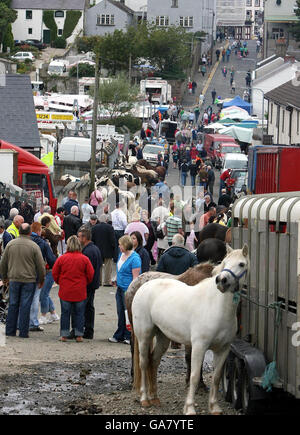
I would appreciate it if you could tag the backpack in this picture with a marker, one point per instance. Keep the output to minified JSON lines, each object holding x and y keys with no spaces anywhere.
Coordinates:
{"x":184,"y":167}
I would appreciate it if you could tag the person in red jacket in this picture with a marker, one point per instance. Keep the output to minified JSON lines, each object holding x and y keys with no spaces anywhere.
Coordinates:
{"x":73,"y":271}
{"x":223,"y":177}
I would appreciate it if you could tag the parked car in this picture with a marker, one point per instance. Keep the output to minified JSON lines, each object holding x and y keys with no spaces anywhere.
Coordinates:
{"x":222,"y":150}
{"x":150,"y":153}
{"x":23,"y":55}
{"x":235,"y":161}
{"x":36,"y":43}
{"x":18,"y":43}
{"x":237,"y":182}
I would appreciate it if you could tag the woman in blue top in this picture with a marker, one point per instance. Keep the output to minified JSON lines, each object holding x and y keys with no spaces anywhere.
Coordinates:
{"x":128,"y":268}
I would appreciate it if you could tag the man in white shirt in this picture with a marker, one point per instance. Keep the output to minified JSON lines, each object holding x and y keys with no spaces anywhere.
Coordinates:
{"x":87,"y":210}
{"x":160,"y":212}
{"x":119,"y":222}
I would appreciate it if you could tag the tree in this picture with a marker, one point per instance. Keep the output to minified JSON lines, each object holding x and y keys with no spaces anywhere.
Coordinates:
{"x":296,"y":27}
{"x":7,"y":16}
{"x":117,"y":96}
{"x":167,"y":48}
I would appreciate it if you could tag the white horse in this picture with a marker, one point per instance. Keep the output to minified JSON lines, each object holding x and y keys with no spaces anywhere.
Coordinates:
{"x":202,"y":316}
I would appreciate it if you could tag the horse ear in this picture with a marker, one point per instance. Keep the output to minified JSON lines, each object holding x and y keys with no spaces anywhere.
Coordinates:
{"x":228,"y":249}
{"x":245,"y":250}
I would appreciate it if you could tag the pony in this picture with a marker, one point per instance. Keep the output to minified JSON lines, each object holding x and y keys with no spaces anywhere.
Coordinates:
{"x":201,"y":316}
{"x":213,"y":250}
{"x":216,"y":231}
{"x":192,"y":276}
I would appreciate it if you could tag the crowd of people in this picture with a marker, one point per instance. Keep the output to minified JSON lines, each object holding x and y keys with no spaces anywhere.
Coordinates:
{"x":80,"y":251}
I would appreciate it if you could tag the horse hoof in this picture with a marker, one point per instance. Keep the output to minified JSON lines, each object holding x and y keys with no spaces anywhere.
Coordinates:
{"x":155,"y":402}
{"x":145,"y":404}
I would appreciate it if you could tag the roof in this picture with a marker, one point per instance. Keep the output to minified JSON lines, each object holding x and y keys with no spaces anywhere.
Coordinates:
{"x":53,"y":5}
{"x":121,"y":6}
{"x":18,"y":124}
{"x":115,"y":3}
{"x":286,"y":94}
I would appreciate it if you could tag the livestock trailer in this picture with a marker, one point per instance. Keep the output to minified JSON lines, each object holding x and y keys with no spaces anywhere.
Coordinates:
{"x":273,"y":168}
{"x":269,"y":311}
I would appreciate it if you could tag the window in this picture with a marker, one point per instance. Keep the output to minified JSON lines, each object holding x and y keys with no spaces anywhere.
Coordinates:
{"x":59,"y":14}
{"x":60,"y":32}
{"x":28,"y":15}
{"x":174,"y":4}
{"x":162,"y":21}
{"x":277,"y":33}
{"x":105,"y":20}
{"x":30,"y":31}
{"x":248,"y":2}
{"x":271,"y":113}
{"x":186,"y":21}
{"x":257,"y":3}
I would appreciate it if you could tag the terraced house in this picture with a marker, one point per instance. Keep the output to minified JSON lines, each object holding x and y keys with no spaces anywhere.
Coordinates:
{"x":48,"y":20}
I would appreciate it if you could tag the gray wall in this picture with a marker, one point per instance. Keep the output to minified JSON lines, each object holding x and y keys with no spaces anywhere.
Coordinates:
{"x":121,"y":19}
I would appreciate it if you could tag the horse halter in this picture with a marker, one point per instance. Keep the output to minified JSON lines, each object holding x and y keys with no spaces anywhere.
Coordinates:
{"x":236,"y":277}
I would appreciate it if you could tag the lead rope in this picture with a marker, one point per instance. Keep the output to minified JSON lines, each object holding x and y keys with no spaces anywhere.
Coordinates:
{"x":270,"y":375}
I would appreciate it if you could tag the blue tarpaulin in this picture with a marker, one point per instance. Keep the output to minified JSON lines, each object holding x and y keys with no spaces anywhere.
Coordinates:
{"x":239,"y":102}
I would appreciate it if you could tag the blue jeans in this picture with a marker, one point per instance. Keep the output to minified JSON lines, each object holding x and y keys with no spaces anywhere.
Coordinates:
{"x":122,"y":332}
{"x":20,"y":298}
{"x":34,"y":310}
{"x":183,"y":178}
{"x":193,"y":180}
{"x":45,"y":300}
{"x":77,"y":310}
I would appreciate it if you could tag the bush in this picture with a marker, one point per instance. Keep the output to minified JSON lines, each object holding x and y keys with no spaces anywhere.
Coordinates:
{"x":59,"y":42}
{"x":134,"y":124}
{"x":49,"y":21}
{"x":84,"y":70}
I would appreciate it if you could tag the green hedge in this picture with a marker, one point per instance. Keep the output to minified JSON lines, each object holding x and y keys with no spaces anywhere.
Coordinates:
{"x":8,"y":39}
{"x":59,"y":42}
{"x":72,"y":18}
{"x":49,"y":21}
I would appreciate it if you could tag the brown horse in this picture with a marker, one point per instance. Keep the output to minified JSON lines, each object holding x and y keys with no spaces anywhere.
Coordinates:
{"x":160,"y":170}
{"x":191,"y":277}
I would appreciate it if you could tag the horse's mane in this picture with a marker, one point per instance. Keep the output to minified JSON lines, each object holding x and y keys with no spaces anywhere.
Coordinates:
{"x":193,"y":275}
{"x":218,"y":269}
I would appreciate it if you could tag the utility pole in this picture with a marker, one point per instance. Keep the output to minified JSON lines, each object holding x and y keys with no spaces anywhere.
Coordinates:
{"x":129,"y":71}
{"x":94,"y":128}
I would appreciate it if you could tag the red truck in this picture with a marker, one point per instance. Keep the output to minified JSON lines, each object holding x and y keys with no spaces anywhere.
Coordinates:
{"x":212,"y":144}
{"x":274,"y":168}
{"x":33,"y":175}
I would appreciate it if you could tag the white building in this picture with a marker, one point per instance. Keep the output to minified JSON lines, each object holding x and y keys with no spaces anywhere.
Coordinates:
{"x":279,"y":16}
{"x":254,"y":15}
{"x":284,"y":113}
{"x":268,"y":76}
{"x":192,"y":15}
{"x":230,"y":18}
{"x":30,"y":24}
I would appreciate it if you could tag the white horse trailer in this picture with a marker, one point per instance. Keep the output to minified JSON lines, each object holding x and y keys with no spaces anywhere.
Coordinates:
{"x":270,"y":225}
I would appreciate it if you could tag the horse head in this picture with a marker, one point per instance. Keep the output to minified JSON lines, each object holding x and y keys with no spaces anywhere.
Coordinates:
{"x":232,"y":272}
